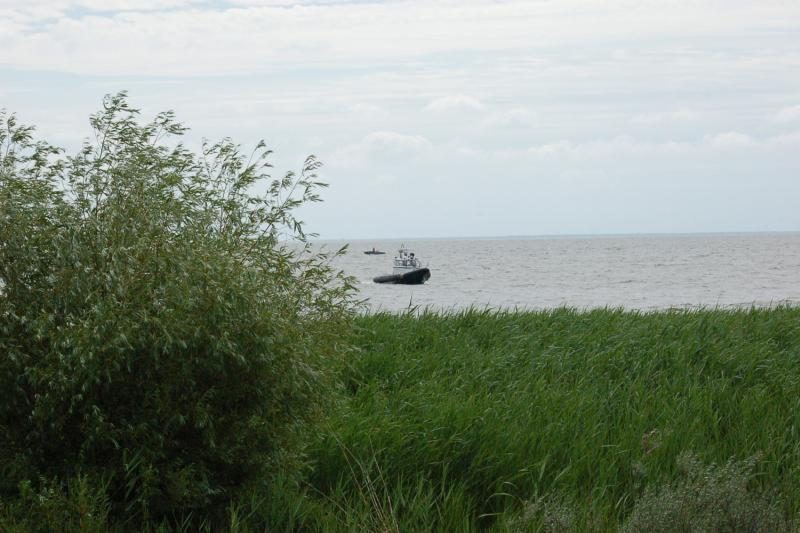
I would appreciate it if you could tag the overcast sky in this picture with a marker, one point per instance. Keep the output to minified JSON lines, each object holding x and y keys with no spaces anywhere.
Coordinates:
{"x":452,"y":118}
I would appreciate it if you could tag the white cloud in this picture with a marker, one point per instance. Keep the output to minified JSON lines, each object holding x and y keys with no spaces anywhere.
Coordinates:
{"x":454,"y":102}
{"x":669,"y":117}
{"x":788,"y":139}
{"x":529,"y":94}
{"x":615,"y":148}
{"x":385,"y":145}
{"x":30,"y":6}
{"x":628,"y":147}
{"x":788,"y":114}
{"x":361,"y":108}
{"x":513,"y":118}
{"x":550,"y":149}
{"x":192,"y":39}
{"x":624,"y":146}
{"x":285,"y":3}
{"x":397,"y":142}
{"x":730,"y":139}
{"x":39,"y":16}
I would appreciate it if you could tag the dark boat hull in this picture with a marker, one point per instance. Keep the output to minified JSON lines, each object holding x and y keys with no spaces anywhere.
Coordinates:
{"x":415,"y":277}
{"x":374,"y":252}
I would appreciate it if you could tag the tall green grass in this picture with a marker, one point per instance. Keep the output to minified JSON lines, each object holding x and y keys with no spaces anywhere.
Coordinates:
{"x":483,"y":419}
{"x":559,"y":420}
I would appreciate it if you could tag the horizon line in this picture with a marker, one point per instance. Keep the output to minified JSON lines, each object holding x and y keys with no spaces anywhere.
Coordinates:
{"x":563,"y":235}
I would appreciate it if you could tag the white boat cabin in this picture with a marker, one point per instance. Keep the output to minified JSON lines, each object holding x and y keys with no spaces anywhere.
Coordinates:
{"x":405,"y":261}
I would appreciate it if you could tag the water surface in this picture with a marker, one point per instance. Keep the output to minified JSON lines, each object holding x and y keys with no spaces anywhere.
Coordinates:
{"x":635,"y":272}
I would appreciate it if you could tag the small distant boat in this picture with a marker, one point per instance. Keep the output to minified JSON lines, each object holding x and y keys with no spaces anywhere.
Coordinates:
{"x":374,"y":252}
{"x":407,"y":270}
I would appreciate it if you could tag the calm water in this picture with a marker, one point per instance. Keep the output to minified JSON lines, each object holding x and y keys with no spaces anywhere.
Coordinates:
{"x":635,"y":272}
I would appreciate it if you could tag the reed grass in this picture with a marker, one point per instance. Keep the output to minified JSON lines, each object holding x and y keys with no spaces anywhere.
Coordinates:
{"x":562,"y":419}
{"x":559,"y":420}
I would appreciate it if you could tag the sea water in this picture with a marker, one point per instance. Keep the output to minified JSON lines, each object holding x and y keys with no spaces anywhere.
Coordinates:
{"x":644,"y":272}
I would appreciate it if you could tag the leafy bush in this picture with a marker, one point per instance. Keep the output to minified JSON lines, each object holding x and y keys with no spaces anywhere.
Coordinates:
{"x":73,"y":505}
{"x":163,"y":316}
{"x":707,"y":498}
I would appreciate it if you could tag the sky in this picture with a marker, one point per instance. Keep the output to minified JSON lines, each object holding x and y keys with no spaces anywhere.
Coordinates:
{"x":452,"y":118}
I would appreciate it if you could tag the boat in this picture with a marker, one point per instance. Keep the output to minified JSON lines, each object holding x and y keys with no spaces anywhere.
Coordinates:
{"x":374,"y":252}
{"x":407,"y":270}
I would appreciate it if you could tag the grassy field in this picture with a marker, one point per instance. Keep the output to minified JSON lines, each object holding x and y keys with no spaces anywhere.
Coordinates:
{"x":564,"y":420}
{"x":560,"y":420}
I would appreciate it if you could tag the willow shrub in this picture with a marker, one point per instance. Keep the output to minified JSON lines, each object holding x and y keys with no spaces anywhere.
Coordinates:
{"x":164,"y":318}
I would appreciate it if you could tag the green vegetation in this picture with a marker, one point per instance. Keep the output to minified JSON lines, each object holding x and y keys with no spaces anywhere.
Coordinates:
{"x":568,"y":420}
{"x":171,"y":360}
{"x":161,"y":339}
